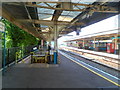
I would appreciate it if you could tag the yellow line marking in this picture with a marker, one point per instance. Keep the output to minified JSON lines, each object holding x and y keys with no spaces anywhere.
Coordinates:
{"x":96,"y":73}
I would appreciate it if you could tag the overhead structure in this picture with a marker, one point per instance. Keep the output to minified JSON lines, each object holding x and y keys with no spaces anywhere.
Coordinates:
{"x":50,"y":20}
{"x":39,"y":18}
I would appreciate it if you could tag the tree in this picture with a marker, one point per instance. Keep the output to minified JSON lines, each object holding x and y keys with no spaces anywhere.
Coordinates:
{"x":16,"y":37}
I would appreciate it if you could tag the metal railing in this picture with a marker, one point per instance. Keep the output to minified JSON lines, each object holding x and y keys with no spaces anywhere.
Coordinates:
{"x":16,"y":54}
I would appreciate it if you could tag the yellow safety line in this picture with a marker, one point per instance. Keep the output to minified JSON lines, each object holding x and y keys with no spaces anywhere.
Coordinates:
{"x":96,"y":73}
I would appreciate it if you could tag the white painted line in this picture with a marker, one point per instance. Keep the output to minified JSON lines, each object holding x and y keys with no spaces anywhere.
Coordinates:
{"x":89,"y":65}
{"x":95,"y":61}
{"x":95,"y":52}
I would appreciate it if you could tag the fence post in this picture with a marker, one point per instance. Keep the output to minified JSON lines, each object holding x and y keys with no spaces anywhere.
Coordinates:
{"x":16,"y":57}
{"x":21,"y":53}
{"x":4,"y":58}
{"x":8,"y":56}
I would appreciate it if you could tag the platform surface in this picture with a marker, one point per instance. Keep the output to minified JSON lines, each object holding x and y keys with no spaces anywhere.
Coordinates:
{"x":65,"y":75}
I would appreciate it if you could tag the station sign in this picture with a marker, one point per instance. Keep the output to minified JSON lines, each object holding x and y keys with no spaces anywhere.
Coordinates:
{"x":2,"y":27}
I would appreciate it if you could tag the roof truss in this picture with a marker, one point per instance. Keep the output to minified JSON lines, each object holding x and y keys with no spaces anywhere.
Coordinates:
{"x":36,"y":24}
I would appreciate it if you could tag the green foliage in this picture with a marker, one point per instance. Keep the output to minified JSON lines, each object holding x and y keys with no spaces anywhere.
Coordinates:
{"x":16,"y":37}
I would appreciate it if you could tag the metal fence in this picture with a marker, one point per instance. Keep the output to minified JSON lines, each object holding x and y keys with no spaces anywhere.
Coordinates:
{"x":17,"y":53}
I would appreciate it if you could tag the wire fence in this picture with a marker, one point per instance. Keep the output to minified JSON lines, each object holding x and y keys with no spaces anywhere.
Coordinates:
{"x":17,"y":53}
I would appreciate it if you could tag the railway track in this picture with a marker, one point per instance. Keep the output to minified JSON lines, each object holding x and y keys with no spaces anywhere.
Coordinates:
{"x":104,"y":68}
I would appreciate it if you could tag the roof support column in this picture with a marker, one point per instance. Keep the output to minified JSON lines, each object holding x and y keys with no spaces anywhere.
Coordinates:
{"x":94,"y":43}
{"x":77,"y":44}
{"x":42,"y":43}
{"x":116,"y":45}
{"x":98,"y":42}
{"x":55,"y":43}
{"x":83,"y":43}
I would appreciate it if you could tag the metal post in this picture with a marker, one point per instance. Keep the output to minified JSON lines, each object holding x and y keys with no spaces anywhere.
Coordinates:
{"x":98,"y":43}
{"x":55,"y":43}
{"x":41,"y":43}
{"x":22,"y":51}
{"x":116,"y":45}
{"x":2,"y":29}
{"x":8,"y":54}
{"x":94,"y":44}
{"x":77,"y":44}
{"x":4,"y":58}
{"x":49,"y":43}
{"x":83,"y":43}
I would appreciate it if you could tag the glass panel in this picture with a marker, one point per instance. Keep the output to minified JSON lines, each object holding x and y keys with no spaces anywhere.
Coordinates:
{"x":74,"y":14}
{"x":69,"y":15}
{"x":41,"y":17}
{"x":45,"y":13}
{"x":79,"y":7}
{"x":43,"y":4}
{"x":83,"y":1}
{"x":44,"y":26}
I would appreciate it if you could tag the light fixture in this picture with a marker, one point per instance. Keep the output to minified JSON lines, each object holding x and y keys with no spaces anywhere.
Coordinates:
{"x":45,"y":30}
{"x":77,"y":29}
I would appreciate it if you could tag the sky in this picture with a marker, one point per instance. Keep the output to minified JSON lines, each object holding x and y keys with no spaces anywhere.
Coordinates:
{"x":104,"y":25}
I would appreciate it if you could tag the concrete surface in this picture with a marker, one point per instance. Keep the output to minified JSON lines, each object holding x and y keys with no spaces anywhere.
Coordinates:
{"x":65,"y":75}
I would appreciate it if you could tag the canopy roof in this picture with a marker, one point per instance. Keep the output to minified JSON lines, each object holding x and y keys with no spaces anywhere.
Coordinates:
{"x":100,"y":35}
{"x":39,"y":18}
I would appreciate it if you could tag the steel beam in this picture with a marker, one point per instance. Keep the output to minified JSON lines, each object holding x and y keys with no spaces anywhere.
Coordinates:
{"x":96,"y":9}
{"x":9,"y":17}
{"x":57,"y":13}
{"x":48,"y":22}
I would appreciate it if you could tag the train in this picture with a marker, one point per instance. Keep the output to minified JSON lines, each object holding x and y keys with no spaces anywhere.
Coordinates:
{"x":101,"y":45}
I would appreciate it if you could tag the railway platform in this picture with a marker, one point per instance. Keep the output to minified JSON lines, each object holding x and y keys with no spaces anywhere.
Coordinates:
{"x":49,"y":44}
{"x":67,"y":74}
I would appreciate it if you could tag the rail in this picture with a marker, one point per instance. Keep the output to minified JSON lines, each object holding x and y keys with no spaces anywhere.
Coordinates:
{"x":106,"y":59}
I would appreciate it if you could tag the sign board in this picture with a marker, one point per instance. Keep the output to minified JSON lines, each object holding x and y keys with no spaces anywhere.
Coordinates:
{"x":2,"y":27}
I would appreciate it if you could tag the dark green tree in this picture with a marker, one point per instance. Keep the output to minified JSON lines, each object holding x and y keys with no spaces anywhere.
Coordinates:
{"x":16,"y":37}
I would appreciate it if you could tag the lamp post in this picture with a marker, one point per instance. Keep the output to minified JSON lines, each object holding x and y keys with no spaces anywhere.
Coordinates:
{"x":2,"y":30}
